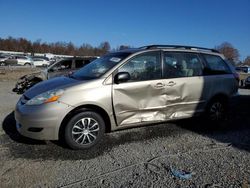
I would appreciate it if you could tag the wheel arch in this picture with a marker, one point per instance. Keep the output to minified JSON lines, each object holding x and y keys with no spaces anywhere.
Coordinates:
{"x":219,"y":96}
{"x":83,"y":108}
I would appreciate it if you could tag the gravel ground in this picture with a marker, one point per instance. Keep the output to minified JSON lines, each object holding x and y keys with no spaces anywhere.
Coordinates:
{"x":12,"y":73}
{"x":139,"y":157}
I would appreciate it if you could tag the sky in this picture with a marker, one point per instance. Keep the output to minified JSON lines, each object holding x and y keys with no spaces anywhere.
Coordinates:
{"x":205,"y":23}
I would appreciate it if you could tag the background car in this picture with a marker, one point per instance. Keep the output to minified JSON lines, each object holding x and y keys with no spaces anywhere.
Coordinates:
{"x":245,"y":69}
{"x":40,"y":62}
{"x":19,"y":60}
{"x":24,"y":60}
{"x":3,"y":59}
{"x":59,"y":68}
{"x":244,"y":72}
{"x":247,"y":82}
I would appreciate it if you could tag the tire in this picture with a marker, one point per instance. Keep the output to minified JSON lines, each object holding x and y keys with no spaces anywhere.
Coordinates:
{"x":27,"y":65}
{"x":84,"y":130}
{"x":3,"y":64}
{"x":217,"y":112}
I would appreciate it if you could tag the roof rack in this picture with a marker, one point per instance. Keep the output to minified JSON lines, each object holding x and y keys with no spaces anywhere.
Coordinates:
{"x":178,"y":47}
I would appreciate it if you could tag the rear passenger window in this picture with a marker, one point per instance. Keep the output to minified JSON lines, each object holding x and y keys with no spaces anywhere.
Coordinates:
{"x":216,"y":64}
{"x":179,"y":64}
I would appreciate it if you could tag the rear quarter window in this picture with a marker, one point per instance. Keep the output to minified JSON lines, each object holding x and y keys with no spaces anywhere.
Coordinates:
{"x":216,"y":65}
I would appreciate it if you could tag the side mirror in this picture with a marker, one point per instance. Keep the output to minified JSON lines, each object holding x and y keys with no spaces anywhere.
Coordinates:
{"x":122,"y":77}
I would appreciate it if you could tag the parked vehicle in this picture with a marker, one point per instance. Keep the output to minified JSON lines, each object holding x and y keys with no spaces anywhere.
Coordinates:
{"x":244,"y":72}
{"x":245,"y":69}
{"x":129,"y":88}
{"x":247,"y":82}
{"x":40,"y":62}
{"x":3,"y":59}
{"x":19,"y":60}
{"x":41,"y":57}
{"x":62,"y":67}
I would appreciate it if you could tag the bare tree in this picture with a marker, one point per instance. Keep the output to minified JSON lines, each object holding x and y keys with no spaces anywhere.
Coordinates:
{"x":247,"y":61}
{"x":230,"y":53}
{"x":104,"y":47}
{"x":71,"y":49}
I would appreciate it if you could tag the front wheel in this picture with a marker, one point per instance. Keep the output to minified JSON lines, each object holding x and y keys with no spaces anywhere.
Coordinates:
{"x":27,"y":65}
{"x":84,"y":130}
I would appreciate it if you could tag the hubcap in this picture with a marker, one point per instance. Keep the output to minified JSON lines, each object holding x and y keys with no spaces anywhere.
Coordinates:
{"x":85,"y":131}
{"x":216,"y":111}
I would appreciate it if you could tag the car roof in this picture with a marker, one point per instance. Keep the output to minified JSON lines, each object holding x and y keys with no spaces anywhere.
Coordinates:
{"x":173,"y":47}
{"x":79,"y":58}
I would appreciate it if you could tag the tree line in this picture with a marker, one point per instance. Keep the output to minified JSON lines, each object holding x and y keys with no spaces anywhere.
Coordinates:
{"x":61,"y":48}
{"x":64,"y":48}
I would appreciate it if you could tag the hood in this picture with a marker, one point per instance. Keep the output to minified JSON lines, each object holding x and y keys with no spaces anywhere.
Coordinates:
{"x":58,"y":82}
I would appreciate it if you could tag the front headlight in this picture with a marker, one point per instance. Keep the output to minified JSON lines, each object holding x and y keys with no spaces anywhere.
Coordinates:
{"x":46,"y":97}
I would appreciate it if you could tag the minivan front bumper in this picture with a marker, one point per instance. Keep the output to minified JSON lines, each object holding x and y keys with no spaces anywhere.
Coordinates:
{"x":41,"y":122}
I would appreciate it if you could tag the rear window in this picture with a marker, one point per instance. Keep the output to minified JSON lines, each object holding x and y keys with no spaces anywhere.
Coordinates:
{"x":216,"y":65}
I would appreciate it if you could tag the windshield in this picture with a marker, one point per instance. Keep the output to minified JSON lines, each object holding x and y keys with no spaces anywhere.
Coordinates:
{"x":100,"y":66}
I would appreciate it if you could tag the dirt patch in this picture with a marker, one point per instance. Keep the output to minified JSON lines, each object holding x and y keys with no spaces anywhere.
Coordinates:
{"x":13,"y":73}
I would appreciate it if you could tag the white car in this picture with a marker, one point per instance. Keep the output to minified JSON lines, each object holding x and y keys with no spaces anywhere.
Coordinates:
{"x":3,"y":59}
{"x":24,"y":60}
{"x":40,"y":62}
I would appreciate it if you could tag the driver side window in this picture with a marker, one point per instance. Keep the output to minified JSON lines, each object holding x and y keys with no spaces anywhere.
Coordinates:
{"x":146,"y":66}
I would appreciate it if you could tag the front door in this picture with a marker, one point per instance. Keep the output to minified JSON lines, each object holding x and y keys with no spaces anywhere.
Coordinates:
{"x":141,"y":99}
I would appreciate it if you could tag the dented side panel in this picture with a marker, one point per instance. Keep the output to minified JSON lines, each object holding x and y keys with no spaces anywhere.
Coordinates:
{"x":137,"y":102}
{"x":145,"y":101}
{"x":185,"y":97}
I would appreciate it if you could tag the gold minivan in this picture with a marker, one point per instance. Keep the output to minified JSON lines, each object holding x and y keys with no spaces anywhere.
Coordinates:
{"x":128,"y":88}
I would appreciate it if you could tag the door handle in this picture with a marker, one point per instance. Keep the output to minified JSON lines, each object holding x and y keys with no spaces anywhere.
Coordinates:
{"x":159,"y":85}
{"x":171,"y":83}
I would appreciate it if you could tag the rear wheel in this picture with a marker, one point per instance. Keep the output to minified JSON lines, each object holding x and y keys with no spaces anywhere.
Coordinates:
{"x":217,"y":112}
{"x":84,"y":130}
